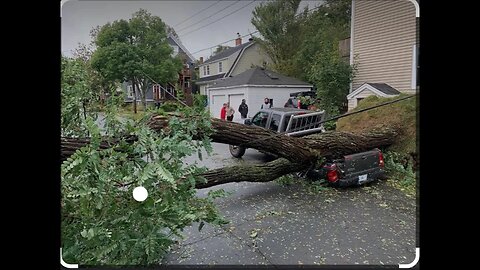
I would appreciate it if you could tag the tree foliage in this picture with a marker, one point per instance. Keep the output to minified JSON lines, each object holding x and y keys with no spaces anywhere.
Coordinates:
{"x":101,"y":222}
{"x":281,"y":30}
{"x":136,"y":50}
{"x":76,"y":97}
{"x":305,"y":45}
{"x":220,"y":49}
{"x":101,"y":86}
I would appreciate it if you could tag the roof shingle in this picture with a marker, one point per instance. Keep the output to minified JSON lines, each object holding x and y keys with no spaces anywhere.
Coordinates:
{"x":385,"y":88}
{"x":227,"y":52}
{"x":258,"y":76}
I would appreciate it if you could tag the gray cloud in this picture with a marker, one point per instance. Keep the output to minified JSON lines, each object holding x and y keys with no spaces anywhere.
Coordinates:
{"x":80,"y":16}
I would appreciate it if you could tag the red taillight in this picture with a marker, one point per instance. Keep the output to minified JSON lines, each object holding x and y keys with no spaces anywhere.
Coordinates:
{"x":332,"y":175}
{"x":381,"y":162}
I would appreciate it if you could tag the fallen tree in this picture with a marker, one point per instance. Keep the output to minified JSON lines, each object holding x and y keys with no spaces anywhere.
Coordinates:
{"x":295,"y":153}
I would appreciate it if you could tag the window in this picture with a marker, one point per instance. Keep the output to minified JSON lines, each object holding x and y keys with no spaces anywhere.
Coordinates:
{"x":204,"y":70}
{"x":275,"y":122}
{"x":129,"y":91}
{"x":220,"y":67}
{"x":208,"y":70}
{"x":260,"y":119}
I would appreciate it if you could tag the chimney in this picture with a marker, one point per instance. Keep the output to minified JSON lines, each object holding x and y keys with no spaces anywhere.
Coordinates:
{"x":201,"y":59}
{"x":238,"y":41}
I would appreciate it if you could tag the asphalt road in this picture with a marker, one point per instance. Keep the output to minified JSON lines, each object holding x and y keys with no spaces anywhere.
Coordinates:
{"x":275,"y":225}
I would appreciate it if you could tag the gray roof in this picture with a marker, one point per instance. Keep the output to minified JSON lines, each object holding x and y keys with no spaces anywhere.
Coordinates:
{"x":172,"y":39}
{"x":210,"y":78}
{"x":258,"y":76}
{"x":227,"y":52}
{"x":385,"y":88}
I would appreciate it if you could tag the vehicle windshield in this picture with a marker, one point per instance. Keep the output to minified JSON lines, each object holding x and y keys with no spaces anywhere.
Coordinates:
{"x":260,"y":119}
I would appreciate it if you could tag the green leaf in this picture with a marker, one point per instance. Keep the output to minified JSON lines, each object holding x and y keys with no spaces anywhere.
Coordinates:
{"x":90,"y":233}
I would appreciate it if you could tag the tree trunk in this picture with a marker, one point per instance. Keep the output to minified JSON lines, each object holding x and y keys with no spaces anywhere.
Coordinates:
{"x":296,"y":154}
{"x":134,"y":96}
{"x":143,"y":93}
{"x":295,"y":149}
{"x":251,"y":173}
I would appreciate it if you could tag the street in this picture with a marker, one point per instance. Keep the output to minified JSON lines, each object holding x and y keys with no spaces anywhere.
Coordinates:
{"x":275,"y":225}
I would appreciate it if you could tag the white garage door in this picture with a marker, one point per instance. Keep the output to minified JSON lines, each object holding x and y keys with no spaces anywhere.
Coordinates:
{"x":216,"y":103}
{"x":235,"y":101}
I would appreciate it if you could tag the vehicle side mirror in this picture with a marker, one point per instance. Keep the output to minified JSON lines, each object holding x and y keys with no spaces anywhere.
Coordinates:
{"x":248,"y":121}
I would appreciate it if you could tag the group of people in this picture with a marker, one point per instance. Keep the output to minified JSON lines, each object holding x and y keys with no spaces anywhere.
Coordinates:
{"x":226,"y":113}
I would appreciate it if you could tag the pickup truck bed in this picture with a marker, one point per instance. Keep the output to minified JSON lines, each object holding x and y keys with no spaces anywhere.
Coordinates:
{"x":355,"y":169}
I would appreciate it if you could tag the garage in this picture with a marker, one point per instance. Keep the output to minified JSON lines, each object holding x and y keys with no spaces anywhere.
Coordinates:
{"x":253,"y":85}
{"x":216,"y":104}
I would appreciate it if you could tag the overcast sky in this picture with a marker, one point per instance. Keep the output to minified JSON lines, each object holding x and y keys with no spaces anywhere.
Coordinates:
{"x":80,"y":16}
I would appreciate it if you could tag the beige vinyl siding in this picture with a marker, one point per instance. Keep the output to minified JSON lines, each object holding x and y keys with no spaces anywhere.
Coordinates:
{"x":352,"y":103}
{"x":383,"y":41}
{"x":226,"y":62}
{"x":252,"y":55}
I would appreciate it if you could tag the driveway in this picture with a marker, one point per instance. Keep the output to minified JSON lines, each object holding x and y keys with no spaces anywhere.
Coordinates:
{"x":275,"y":225}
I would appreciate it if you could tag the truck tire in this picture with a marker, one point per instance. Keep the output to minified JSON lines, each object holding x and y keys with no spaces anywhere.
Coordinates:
{"x":237,"y":151}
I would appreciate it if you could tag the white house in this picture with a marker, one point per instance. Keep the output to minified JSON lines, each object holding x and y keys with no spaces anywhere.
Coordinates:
{"x":384,"y":44}
{"x":253,"y":85}
{"x":230,"y":62}
{"x":368,"y":89}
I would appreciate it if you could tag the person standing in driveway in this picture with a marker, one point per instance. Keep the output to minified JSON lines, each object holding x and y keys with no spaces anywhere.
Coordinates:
{"x":266,"y":104}
{"x":223,"y":111}
{"x":243,"y":109}
{"x":230,"y":112}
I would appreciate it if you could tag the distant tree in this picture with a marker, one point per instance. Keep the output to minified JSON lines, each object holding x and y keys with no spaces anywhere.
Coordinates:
{"x":305,"y":45}
{"x":136,"y":50}
{"x":282,"y":32}
{"x":220,"y":49}
{"x":171,"y":31}
{"x":96,"y":82}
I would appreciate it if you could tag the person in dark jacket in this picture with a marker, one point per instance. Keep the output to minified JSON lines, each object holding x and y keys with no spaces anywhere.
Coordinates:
{"x":289,"y":104}
{"x":243,"y":109}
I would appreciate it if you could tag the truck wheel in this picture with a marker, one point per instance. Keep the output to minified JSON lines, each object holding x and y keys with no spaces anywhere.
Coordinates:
{"x":237,"y":151}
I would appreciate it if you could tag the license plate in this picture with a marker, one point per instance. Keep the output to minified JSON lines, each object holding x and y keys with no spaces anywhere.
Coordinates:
{"x":362,"y":179}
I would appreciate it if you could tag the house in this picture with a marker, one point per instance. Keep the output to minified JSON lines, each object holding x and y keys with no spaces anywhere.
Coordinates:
{"x":169,"y":91}
{"x":187,"y":74}
{"x":253,"y":85}
{"x":384,"y":44}
{"x":230,"y":62}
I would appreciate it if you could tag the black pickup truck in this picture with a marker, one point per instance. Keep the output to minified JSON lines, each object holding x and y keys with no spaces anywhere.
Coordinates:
{"x":349,"y":170}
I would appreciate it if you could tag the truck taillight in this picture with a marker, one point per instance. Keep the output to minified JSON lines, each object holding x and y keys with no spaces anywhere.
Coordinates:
{"x":381,"y":162}
{"x":332,"y":175}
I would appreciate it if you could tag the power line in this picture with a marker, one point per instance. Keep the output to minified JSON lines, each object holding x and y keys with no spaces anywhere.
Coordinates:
{"x":223,"y":43}
{"x":317,"y":7}
{"x":331,"y":119}
{"x":187,"y":19}
{"x":208,"y":17}
{"x":219,"y":19}
{"x":183,"y":103}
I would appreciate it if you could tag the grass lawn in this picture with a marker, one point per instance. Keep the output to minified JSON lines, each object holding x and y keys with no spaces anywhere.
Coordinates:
{"x":402,"y":154}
